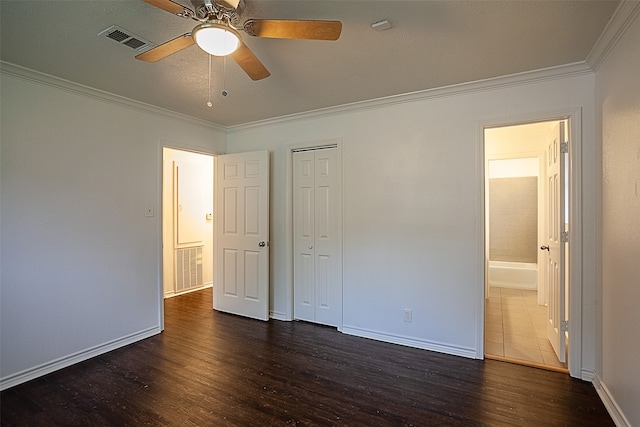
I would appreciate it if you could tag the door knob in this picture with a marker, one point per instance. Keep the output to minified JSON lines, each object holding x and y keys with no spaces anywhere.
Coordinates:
{"x":262,"y":244}
{"x":310,"y":246}
{"x":544,"y":248}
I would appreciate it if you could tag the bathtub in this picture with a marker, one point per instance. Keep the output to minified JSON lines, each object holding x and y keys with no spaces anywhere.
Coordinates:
{"x":516,"y":275}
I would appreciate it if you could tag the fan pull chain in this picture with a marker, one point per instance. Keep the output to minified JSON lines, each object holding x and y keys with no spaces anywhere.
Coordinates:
{"x":224,"y":76}
{"x":209,"y":103}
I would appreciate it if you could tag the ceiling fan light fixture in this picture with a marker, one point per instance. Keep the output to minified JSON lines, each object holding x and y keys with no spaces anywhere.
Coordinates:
{"x":216,"y":38}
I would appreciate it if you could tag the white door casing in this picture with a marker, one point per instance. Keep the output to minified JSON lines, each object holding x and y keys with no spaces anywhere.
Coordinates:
{"x":317,"y":234}
{"x":554,"y":244}
{"x":242,"y":234}
{"x":574,"y":295}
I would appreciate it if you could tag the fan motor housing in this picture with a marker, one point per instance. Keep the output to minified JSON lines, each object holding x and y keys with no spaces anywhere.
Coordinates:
{"x":210,"y":9}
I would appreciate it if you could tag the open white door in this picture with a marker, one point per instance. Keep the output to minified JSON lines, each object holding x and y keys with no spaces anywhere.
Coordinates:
{"x":554,"y":244}
{"x":242,"y":235}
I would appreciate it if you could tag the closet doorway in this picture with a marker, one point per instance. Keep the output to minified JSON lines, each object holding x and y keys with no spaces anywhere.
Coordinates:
{"x":317,"y":235}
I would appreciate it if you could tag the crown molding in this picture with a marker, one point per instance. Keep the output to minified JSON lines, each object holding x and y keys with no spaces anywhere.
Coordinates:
{"x":518,"y":79}
{"x":28,"y":74}
{"x":626,"y":13}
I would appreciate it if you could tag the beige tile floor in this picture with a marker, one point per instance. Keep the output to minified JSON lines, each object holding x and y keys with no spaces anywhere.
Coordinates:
{"x":515,"y":327}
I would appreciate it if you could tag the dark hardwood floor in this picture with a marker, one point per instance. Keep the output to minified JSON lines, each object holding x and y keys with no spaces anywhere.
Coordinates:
{"x":212,"y":369}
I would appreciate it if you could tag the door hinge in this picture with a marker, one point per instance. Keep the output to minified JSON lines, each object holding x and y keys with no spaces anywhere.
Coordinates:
{"x":564,"y":236}
{"x":564,"y":326}
{"x":564,"y":147}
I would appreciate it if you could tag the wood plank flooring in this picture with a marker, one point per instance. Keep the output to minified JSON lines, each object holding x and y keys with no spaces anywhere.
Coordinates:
{"x":213,"y":369}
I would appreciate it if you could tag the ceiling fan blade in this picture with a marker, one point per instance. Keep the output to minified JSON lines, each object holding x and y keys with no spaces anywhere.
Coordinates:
{"x":166,"y":49}
{"x":249,"y":63}
{"x":168,"y":5}
{"x":293,"y":29}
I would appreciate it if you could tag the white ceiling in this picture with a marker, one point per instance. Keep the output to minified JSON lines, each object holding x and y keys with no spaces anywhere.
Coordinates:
{"x":432,"y":44}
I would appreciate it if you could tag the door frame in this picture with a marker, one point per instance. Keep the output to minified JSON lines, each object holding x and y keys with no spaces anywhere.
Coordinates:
{"x":162,"y":144}
{"x":574,"y":117}
{"x":287,"y":314}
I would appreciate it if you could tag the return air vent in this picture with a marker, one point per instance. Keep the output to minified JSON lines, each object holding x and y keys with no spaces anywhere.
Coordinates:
{"x":125,"y":37}
{"x":188,"y":268}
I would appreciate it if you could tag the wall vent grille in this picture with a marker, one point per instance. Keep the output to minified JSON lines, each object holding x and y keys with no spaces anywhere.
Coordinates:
{"x":188,"y":268}
{"x":126,"y":38}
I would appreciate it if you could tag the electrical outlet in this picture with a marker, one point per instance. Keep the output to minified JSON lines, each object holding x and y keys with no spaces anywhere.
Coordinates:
{"x":407,"y":314}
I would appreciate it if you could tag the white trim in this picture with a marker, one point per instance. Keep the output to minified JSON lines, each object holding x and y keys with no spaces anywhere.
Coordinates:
{"x":575,"y":221}
{"x":621,"y":20}
{"x":160,"y":232}
{"x":172,"y":294}
{"x":587,"y":375}
{"x":494,"y":83}
{"x":63,"y":362}
{"x":518,"y":79}
{"x":288,"y":234}
{"x":314,"y":148}
{"x":575,"y":355}
{"x":482,"y":272}
{"x":610,"y":403}
{"x":410,"y":342}
{"x":277,"y":315}
{"x":96,"y":94}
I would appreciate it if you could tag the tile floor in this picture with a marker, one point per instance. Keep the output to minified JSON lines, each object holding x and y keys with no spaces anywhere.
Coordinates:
{"x":515,"y":327}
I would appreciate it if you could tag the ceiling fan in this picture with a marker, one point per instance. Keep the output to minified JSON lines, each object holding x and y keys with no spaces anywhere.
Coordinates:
{"x":217,"y":33}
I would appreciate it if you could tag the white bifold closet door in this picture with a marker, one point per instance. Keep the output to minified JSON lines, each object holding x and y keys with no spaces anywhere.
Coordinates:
{"x":317,"y":229}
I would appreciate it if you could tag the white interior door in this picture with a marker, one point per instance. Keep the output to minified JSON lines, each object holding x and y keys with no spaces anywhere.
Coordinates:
{"x":242,"y":234}
{"x":304,"y":233}
{"x":317,"y":233}
{"x":554,"y":242}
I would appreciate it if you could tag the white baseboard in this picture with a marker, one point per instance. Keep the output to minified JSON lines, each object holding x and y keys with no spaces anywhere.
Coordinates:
{"x":63,"y":362}
{"x":279,"y":316}
{"x":512,"y":285}
{"x":587,"y":375}
{"x":171,"y":294}
{"x":610,"y":403}
{"x":410,"y":342}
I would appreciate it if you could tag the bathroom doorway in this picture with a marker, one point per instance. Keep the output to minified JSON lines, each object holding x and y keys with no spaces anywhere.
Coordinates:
{"x":521,"y":285}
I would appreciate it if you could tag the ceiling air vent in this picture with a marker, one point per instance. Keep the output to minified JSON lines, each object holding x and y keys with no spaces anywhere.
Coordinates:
{"x":126,"y":38}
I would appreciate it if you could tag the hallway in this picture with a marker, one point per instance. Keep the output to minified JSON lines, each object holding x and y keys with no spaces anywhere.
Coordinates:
{"x":515,"y":327}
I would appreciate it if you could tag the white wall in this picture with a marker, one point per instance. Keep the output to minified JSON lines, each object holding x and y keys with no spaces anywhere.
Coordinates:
{"x":80,"y":261}
{"x":413,"y":229}
{"x":618,"y":103}
{"x":75,"y":181}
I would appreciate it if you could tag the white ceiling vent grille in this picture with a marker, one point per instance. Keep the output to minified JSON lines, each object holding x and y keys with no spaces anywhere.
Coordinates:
{"x":126,"y":38}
